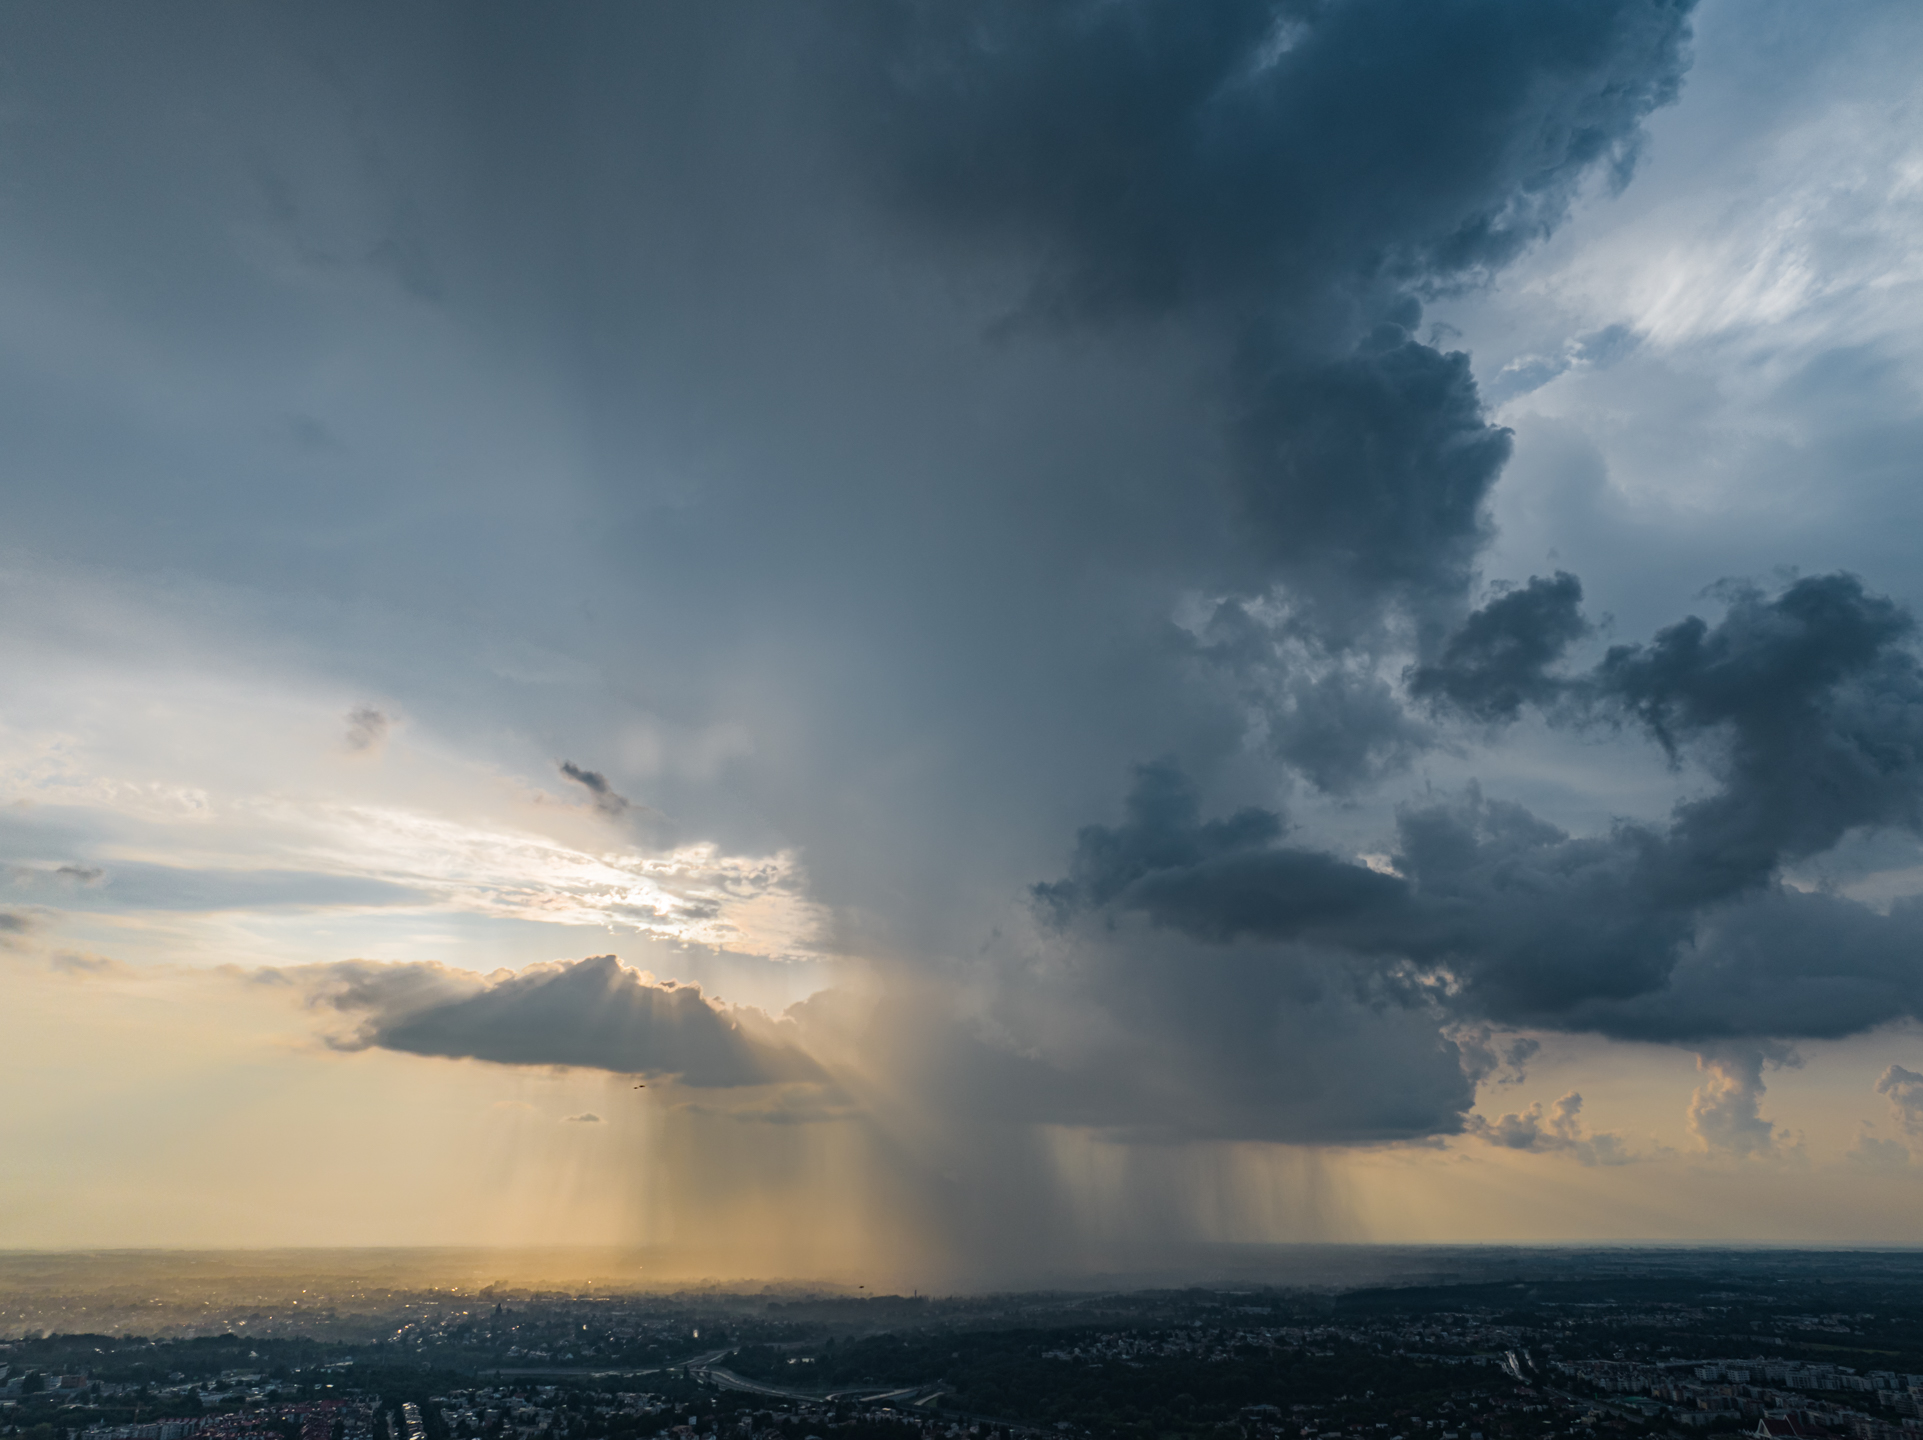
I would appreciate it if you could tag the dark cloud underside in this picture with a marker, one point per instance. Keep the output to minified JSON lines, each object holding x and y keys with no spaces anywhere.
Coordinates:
{"x":1287,"y":179}
{"x":593,"y":1013}
{"x":1807,"y":705}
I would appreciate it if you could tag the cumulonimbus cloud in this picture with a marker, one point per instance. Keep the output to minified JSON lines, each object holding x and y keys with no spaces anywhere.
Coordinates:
{"x":1228,"y":168}
{"x":1221,"y":171}
{"x":1280,"y":187}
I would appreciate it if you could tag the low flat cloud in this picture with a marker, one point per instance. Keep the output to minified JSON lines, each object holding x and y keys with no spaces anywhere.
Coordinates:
{"x":594,"y":1013}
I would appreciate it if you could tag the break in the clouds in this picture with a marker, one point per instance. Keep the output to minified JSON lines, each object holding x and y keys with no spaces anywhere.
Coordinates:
{"x":1243,"y":575}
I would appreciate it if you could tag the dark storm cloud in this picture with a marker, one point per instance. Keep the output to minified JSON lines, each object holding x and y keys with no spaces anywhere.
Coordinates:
{"x":1289,"y":177}
{"x":1162,"y":832}
{"x":1333,"y":717}
{"x":930,"y":576}
{"x":1808,"y":707}
{"x":1777,"y":962}
{"x":1162,"y":156}
{"x":1341,"y":729}
{"x":1146,"y":1034}
{"x":1367,"y":475}
{"x":594,"y":1013}
{"x":1253,"y":1040}
{"x":1499,"y":659}
{"x":606,"y":799}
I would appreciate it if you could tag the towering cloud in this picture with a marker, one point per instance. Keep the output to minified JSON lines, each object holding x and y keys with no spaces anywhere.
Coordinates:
{"x":1290,"y":179}
{"x":1274,"y":190}
{"x":1725,"y":1113}
{"x":1159,"y":157}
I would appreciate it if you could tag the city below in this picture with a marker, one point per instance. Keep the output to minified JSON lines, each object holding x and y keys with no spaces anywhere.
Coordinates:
{"x":1457,"y":1345}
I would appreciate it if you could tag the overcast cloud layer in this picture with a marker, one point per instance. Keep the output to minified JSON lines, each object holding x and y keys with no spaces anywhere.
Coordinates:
{"x":1148,"y":569}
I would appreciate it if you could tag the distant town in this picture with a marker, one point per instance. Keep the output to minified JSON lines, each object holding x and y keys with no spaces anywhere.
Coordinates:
{"x":1616,"y":1346}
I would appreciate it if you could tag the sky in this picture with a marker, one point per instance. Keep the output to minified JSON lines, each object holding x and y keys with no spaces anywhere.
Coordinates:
{"x":961,"y":643}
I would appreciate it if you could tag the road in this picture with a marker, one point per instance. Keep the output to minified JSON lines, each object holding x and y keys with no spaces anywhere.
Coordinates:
{"x":703,"y":1367}
{"x":577,"y":1372}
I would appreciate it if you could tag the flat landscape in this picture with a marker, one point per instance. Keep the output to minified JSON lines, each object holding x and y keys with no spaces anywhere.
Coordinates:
{"x":1454,"y":1344}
